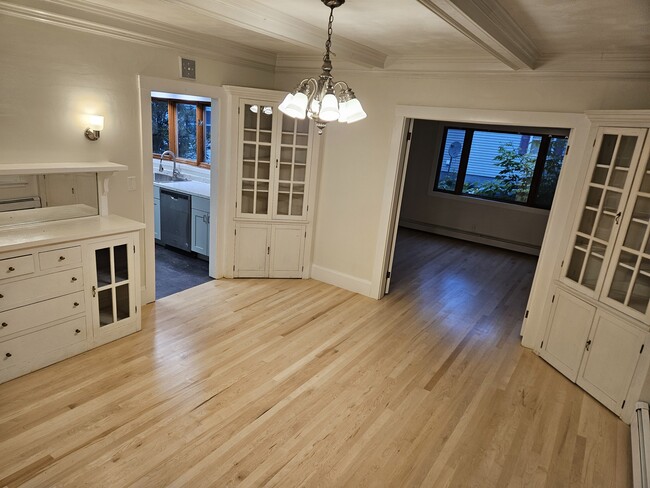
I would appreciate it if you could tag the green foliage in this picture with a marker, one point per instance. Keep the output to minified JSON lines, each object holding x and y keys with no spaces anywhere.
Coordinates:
{"x":513,"y":181}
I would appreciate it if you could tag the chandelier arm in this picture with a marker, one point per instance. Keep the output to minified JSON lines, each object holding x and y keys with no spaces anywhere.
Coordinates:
{"x":341,"y":84}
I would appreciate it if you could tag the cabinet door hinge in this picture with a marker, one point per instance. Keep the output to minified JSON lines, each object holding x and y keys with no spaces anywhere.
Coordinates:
{"x":235,"y":231}
{"x":408,"y":136}
{"x":387,"y":274}
{"x":566,"y":153}
{"x":307,"y":208}
{"x":268,"y":250}
{"x":238,"y":110}
{"x":235,"y":204}
{"x":593,"y":143}
{"x":303,"y":269}
{"x":305,"y":233}
{"x":541,"y":345}
{"x":642,"y":347}
{"x":526,"y":315}
{"x":136,"y":309}
{"x":134,"y":249}
{"x":623,"y":406}
{"x":553,"y":299}
{"x":562,"y":264}
{"x":233,"y":267}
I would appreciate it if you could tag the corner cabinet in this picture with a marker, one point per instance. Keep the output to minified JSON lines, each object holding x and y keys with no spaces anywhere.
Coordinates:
{"x":600,"y":315}
{"x":277,"y":159}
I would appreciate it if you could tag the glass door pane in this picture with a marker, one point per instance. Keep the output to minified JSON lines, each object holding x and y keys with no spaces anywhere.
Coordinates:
{"x":602,"y":210}
{"x":113,"y":286}
{"x":629,"y":284}
{"x":257,"y":121}
{"x":292,"y":168}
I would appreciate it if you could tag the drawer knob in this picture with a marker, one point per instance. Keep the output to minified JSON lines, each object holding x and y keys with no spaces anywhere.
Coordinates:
{"x":11,"y":268}
{"x":74,"y":278}
{"x":4,"y":324}
{"x":77,"y":331}
{"x":1,"y":295}
{"x":8,"y":355}
{"x":75,"y":304}
{"x":61,"y":258}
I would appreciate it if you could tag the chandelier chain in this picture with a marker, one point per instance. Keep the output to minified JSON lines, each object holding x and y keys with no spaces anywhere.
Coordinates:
{"x":328,"y":43}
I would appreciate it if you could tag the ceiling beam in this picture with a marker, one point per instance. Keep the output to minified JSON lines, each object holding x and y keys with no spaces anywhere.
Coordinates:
{"x":490,"y":26}
{"x":257,"y":17}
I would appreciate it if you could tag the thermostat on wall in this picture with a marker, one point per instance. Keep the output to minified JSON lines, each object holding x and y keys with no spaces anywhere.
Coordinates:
{"x":188,"y":69}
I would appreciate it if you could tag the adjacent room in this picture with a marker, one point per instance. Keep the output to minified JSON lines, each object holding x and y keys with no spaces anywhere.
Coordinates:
{"x":325,"y":243}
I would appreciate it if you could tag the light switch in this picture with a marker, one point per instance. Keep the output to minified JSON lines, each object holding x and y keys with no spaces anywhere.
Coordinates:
{"x":130,"y":183}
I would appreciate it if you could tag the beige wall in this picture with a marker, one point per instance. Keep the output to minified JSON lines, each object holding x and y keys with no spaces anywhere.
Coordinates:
{"x":50,"y":77}
{"x":355,"y":157}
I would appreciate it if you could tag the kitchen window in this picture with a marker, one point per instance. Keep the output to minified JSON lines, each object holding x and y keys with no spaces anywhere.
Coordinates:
{"x":184,"y":128}
{"x":514,"y":165}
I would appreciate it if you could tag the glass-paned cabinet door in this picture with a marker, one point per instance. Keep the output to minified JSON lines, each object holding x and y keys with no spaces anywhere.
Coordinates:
{"x":613,"y":164}
{"x":627,"y":285}
{"x":292,"y":169}
{"x":113,"y":283}
{"x":256,"y":154}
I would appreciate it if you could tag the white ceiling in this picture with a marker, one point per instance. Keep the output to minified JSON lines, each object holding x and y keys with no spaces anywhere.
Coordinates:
{"x":379,"y":34}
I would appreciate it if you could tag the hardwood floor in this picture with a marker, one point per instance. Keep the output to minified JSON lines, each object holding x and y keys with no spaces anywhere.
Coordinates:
{"x":285,"y":383}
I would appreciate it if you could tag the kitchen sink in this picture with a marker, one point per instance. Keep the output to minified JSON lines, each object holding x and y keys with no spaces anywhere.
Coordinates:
{"x":163,"y":178}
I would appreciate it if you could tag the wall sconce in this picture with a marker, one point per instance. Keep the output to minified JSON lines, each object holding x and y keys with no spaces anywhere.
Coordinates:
{"x":95,"y":125}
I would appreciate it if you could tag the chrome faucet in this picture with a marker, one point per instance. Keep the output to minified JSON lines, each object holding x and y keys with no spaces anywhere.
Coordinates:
{"x":176,"y":173}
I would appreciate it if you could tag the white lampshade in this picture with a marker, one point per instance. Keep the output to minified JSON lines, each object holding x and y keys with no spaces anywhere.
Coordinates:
{"x":96,"y":122}
{"x":344,"y":111}
{"x":329,"y":108}
{"x":297,"y":108}
{"x":354,"y":111}
{"x":287,"y":100}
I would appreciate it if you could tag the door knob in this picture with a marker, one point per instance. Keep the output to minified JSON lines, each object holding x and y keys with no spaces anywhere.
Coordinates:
{"x":77,"y":331}
{"x":11,"y":268}
{"x":75,"y":304}
{"x":61,"y":258}
{"x":73,"y":279}
{"x":4,"y":324}
{"x":8,"y":355}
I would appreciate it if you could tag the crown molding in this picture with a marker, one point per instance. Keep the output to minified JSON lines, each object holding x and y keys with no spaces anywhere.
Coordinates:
{"x":257,"y":17}
{"x":80,"y":16}
{"x":578,"y":66}
{"x":490,"y":26}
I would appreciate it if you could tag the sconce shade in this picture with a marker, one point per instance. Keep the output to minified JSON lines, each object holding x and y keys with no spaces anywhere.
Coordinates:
{"x":95,"y":126}
{"x":96,"y":122}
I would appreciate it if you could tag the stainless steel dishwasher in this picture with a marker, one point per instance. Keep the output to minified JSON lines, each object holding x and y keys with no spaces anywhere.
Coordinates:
{"x":175,"y":219}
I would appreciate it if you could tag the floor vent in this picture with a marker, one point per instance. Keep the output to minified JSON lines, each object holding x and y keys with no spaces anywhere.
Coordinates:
{"x":641,"y":445}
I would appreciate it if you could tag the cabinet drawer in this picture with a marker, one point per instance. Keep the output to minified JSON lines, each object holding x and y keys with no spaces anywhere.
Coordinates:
{"x":37,"y":344}
{"x":60,"y":257}
{"x":200,"y":203}
{"x":32,"y":290}
{"x":18,"y":266}
{"x":23,"y":318}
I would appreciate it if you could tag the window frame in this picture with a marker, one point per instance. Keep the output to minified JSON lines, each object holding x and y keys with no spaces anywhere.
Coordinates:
{"x":173,"y":130}
{"x":547,"y":134}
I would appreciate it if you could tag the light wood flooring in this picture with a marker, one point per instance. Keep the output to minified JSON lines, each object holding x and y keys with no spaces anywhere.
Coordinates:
{"x":287,"y":383}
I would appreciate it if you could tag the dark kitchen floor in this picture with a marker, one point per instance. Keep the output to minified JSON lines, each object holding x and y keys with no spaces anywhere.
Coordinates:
{"x":177,"y":271}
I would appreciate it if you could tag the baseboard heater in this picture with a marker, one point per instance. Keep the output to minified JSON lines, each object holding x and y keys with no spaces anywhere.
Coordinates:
{"x":21,"y":203}
{"x":641,"y":446}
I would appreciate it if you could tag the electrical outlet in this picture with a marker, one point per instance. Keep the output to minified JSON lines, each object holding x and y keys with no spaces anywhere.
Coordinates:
{"x":130,"y":183}
{"x":188,"y":69}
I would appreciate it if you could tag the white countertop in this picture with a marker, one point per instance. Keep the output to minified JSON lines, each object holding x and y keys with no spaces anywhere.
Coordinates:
{"x":194,"y":188}
{"x":23,"y":236}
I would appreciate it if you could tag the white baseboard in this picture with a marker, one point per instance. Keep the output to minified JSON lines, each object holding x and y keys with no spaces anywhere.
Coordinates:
{"x":469,"y":236}
{"x":342,"y":280}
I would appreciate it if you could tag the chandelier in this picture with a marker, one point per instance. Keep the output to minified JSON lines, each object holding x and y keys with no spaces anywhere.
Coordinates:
{"x":322,"y":99}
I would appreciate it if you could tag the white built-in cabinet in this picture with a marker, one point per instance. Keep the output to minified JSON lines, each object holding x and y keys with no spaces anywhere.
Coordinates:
{"x":600,"y":315}
{"x":276,"y":167}
{"x":67,"y":283}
